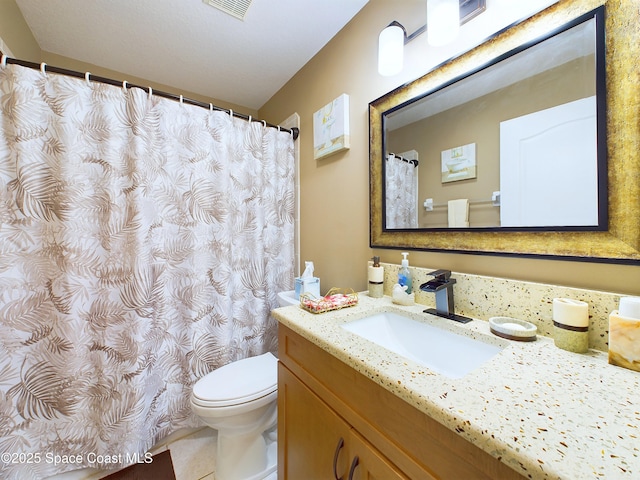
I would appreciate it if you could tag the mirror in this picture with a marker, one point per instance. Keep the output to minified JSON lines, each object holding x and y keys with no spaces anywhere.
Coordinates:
{"x":467,"y":164}
{"x":513,"y":144}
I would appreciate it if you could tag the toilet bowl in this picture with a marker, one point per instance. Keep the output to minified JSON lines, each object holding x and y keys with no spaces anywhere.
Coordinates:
{"x":239,"y":401}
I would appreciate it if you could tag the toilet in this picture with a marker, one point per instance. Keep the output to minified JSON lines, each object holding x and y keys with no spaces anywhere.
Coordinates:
{"x":239,"y":401}
{"x":288,"y":298}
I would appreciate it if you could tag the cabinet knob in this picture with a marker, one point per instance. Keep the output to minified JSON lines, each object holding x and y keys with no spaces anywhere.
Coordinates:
{"x":335,"y":458}
{"x":354,"y":464}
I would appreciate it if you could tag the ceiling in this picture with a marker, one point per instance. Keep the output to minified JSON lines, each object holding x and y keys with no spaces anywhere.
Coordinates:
{"x":189,"y":45}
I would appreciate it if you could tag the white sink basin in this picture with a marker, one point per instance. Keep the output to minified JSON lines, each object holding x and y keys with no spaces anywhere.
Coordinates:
{"x":440,"y":350}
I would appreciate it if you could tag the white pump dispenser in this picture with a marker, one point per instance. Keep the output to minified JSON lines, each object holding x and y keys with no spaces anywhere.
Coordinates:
{"x":404,"y":276}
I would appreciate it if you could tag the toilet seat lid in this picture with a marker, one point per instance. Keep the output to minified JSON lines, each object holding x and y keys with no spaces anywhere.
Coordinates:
{"x":238,"y":382}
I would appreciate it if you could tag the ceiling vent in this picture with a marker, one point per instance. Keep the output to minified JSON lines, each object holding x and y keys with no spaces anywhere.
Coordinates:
{"x":235,"y":8}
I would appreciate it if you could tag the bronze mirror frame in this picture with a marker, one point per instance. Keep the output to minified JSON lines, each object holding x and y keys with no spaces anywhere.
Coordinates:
{"x":620,"y":242}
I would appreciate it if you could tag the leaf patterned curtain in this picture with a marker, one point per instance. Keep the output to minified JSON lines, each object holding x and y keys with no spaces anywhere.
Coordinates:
{"x":142,"y":245}
{"x":401,"y":193}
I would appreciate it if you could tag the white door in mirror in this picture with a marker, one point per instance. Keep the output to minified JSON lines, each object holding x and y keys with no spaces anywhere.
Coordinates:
{"x":549,"y":167}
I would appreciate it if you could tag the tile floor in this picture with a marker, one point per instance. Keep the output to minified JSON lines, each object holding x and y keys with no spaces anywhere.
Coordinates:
{"x":192,"y":454}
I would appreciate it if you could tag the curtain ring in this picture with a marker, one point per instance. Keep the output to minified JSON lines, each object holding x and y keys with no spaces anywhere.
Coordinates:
{"x":279,"y":128}
{"x":264,"y":123}
{"x":124,"y":86}
{"x":150,"y":93}
{"x":250,"y":119}
{"x":43,"y":68}
{"x":211,"y":107}
{"x":3,"y":61}
{"x":181,"y":100}
{"x":231,"y":114}
{"x":87,"y":77}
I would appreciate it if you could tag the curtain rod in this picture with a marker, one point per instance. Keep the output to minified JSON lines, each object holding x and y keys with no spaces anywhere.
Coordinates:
{"x":109,"y":81}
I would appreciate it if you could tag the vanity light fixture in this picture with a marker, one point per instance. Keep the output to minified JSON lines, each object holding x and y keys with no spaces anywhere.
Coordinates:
{"x":443,"y":21}
{"x":391,"y":44}
{"x":444,"y":18}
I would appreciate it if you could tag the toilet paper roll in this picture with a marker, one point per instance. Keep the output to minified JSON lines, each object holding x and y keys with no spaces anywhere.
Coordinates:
{"x":630,"y":307}
{"x":573,"y":313}
{"x":376,"y":274}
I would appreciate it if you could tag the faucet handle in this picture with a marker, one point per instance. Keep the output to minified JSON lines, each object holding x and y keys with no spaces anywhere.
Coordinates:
{"x":442,"y":275}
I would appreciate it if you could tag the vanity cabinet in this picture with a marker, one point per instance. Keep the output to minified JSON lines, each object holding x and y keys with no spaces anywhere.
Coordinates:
{"x":335,"y":423}
{"x":320,"y":444}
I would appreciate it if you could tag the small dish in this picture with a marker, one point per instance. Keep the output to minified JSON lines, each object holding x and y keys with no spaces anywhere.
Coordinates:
{"x":513,"y":329}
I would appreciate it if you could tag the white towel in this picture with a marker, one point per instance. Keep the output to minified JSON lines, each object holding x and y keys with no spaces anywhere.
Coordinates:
{"x":459,"y":212}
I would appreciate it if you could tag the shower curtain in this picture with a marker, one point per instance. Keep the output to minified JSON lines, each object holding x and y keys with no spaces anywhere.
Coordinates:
{"x":401,"y":193}
{"x":142,"y":245}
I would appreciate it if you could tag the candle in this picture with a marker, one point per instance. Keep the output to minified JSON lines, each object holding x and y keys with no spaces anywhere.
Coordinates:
{"x":573,"y":313}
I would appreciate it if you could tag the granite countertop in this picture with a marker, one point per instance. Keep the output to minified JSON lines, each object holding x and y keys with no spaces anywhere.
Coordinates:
{"x":545,"y":412}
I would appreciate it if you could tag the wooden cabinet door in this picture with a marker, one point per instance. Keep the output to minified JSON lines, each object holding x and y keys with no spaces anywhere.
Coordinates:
{"x":312,"y":439}
{"x":368,"y":464}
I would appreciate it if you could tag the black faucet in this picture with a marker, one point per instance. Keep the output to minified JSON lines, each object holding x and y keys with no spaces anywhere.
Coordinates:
{"x":442,"y":286}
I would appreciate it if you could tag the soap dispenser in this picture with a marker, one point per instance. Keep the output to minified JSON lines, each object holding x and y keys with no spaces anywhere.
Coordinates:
{"x":376,"y":279}
{"x":404,"y":276}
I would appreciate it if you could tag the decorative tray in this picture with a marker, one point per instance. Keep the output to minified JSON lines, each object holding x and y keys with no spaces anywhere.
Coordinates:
{"x":335,"y":299}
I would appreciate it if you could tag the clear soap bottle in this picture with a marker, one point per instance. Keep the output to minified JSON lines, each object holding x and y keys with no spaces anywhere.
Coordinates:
{"x":404,"y":276}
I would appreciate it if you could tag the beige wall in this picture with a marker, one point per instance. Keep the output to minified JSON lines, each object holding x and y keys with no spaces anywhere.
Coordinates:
{"x":16,"y":34}
{"x":335,"y":191}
